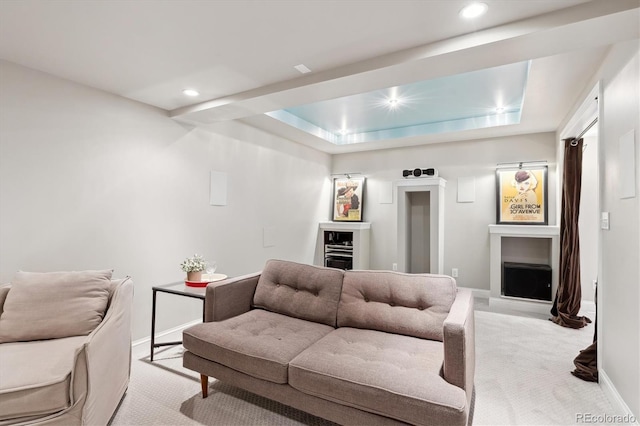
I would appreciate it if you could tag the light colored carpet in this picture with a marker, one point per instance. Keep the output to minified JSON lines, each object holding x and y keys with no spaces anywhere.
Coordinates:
{"x":164,"y":393}
{"x":523,"y":377}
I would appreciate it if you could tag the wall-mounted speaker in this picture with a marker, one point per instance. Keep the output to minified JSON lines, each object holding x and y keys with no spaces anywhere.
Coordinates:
{"x":430,"y":172}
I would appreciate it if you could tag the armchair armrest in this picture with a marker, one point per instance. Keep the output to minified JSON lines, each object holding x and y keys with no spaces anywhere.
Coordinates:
{"x":228,"y":298}
{"x":4,"y":290}
{"x":459,"y":342}
{"x":108,"y":356}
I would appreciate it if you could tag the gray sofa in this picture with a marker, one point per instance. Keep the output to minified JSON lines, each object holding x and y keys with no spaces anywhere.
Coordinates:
{"x":65,"y":347}
{"x":353,"y":347}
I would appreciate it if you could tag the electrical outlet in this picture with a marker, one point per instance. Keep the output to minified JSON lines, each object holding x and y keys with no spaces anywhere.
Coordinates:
{"x":394,"y":266}
{"x":454,"y":272}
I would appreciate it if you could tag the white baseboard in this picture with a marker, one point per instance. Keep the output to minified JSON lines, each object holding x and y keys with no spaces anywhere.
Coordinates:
{"x":587,"y":308}
{"x":480,"y":294}
{"x":614,"y":397}
{"x":164,"y":333}
{"x":523,"y":305}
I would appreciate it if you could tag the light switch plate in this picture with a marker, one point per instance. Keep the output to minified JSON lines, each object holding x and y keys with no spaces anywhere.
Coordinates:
{"x":604,"y":220}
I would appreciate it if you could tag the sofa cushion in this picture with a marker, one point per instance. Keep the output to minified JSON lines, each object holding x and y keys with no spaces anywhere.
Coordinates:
{"x":258,"y":343}
{"x":301,"y":291}
{"x":410,"y":304}
{"x":388,"y":374}
{"x":54,"y":305}
{"x":36,"y":376}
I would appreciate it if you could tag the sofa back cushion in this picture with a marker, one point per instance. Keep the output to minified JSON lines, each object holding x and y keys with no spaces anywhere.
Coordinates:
{"x":302,"y":291}
{"x":54,"y":305}
{"x":410,"y":304}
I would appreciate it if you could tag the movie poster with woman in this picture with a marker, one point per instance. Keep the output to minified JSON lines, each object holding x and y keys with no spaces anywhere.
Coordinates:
{"x":347,"y":199}
{"x":521,"y":195}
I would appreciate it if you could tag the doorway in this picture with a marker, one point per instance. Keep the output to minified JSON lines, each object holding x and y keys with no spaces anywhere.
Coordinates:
{"x":584,"y":124}
{"x":589,"y":220}
{"x":420,"y":225}
{"x":418,"y":230}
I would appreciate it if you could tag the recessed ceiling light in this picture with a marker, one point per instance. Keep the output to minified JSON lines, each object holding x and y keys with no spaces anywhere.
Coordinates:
{"x":343,"y":131}
{"x":302,"y":68}
{"x":473,"y":10}
{"x":393,"y":102}
{"x":500,"y":110}
{"x":191,"y":92}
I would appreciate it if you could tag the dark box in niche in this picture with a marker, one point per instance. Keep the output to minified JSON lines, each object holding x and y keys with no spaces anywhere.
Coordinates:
{"x":526,"y":280}
{"x":339,"y":262}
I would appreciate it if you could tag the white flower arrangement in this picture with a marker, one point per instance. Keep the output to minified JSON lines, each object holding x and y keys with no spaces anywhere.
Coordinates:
{"x":194,"y":264}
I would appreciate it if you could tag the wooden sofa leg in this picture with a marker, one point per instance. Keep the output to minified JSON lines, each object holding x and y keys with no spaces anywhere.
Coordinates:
{"x":204,"y":382}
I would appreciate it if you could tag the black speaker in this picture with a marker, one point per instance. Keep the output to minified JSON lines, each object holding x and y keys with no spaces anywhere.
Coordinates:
{"x":431,"y":172}
{"x":526,"y":280}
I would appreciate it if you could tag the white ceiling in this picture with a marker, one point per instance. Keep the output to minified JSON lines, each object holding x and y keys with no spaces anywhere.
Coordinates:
{"x":240,"y":54}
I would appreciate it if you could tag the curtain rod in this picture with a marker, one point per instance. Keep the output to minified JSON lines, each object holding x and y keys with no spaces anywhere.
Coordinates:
{"x":582,"y":133}
{"x":586,"y":129}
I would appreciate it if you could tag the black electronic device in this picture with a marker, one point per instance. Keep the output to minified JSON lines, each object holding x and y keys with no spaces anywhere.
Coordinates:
{"x":525,"y":280}
{"x":418,"y":172}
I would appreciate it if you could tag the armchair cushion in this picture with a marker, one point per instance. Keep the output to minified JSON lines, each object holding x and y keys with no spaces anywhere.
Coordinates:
{"x":54,"y":305}
{"x":28,"y":391}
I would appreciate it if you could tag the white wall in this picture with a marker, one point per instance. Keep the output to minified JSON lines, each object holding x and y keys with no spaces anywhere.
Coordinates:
{"x":619,"y":286}
{"x":466,"y":232}
{"x":91,"y":180}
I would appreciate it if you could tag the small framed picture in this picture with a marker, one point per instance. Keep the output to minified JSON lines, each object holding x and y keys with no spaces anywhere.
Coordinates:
{"x":347,"y":199}
{"x":521,"y":195}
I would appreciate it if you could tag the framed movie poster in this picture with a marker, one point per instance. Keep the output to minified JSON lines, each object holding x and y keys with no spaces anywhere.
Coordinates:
{"x":521,"y":195}
{"x":347,"y":199}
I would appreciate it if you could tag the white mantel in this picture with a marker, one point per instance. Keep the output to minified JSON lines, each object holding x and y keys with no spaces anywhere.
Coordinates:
{"x":497,"y":232}
{"x":346,"y":226}
{"x":524,"y":230}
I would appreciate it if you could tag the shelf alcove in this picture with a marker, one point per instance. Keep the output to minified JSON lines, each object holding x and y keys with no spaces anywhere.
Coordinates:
{"x":355,"y":244}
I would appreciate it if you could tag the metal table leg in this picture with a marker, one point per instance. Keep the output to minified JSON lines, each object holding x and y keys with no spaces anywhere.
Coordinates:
{"x":153,"y":324}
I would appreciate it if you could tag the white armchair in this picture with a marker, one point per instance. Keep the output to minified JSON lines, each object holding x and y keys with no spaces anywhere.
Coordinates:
{"x":70,"y":380}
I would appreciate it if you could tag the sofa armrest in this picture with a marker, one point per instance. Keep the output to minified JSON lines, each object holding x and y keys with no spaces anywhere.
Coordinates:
{"x":108,"y":356}
{"x":459,"y":342}
{"x":228,"y":298}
